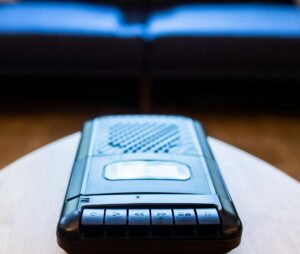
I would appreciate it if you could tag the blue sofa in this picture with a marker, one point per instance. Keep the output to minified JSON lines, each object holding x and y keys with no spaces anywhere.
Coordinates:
{"x":185,"y":40}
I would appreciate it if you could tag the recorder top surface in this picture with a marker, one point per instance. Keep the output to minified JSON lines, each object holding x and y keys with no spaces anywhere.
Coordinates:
{"x":144,"y":155}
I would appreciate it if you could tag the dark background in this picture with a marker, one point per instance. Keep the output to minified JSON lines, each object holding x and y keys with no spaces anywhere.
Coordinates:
{"x":243,"y":87}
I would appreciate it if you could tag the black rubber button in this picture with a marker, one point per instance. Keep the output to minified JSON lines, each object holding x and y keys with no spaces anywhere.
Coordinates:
{"x":207,"y":216}
{"x":92,"y":217}
{"x":139,"y":217}
{"x":161,"y":217}
{"x":116,"y":217}
{"x":184,"y":217}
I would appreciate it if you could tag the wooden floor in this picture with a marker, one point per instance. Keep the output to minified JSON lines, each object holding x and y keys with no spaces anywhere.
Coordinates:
{"x":274,"y":138}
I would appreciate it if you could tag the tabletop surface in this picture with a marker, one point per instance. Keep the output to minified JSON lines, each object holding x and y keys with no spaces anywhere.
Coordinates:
{"x":32,"y":190}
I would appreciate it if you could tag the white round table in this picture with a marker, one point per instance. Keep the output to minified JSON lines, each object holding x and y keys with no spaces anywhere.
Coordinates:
{"x":32,"y":190}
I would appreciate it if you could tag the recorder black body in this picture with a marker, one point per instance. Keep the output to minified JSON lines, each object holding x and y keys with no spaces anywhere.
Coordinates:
{"x":145,"y":184}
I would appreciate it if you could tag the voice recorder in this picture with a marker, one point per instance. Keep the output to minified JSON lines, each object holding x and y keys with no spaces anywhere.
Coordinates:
{"x":146,"y":184}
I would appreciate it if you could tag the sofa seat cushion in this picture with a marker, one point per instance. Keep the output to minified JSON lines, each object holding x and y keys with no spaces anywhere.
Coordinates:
{"x":225,"y":39}
{"x":68,"y":37}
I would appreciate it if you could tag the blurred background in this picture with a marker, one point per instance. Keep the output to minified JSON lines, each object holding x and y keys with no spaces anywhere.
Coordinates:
{"x":233,"y":65}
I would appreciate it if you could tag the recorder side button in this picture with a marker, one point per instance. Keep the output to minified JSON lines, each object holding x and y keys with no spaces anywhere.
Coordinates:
{"x":208,"y":216}
{"x":92,"y":217}
{"x":161,"y":217}
{"x":116,"y":217}
{"x":139,"y":217}
{"x":184,"y":217}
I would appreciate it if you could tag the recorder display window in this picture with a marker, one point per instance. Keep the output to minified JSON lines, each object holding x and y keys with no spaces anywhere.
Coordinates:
{"x":147,"y":170}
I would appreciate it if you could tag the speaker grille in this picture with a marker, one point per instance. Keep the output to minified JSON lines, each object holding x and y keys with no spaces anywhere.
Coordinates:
{"x":153,"y":135}
{"x":148,"y":137}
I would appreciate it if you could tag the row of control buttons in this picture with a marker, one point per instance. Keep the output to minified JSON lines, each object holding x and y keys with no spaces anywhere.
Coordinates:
{"x":146,"y":217}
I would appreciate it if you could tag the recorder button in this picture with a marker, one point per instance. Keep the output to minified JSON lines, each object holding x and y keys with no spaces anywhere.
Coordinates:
{"x":115,"y":217}
{"x":208,"y":216}
{"x":139,"y":217}
{"x":184,"y":217}
{"x":92,"y":217}
{"x":161,"y":217}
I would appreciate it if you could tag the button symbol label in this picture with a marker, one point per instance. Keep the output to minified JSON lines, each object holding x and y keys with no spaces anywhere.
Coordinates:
{"x":139,"y":214}
{"x":115,"y":214}
{"x":186,"y":214}
{"x":93,"y":214}
{"x":161,"y":214}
